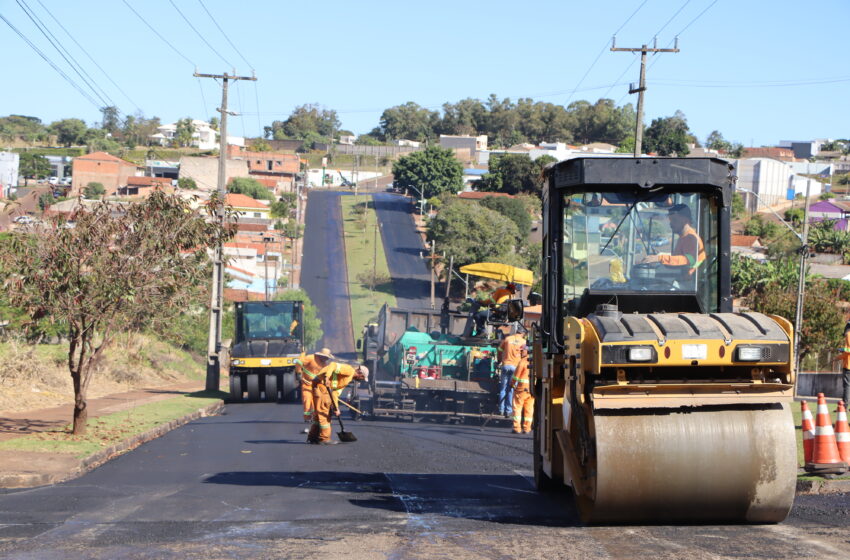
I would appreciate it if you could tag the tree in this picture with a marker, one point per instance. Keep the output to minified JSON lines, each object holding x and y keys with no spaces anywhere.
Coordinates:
{"x":110,"y":122}
{"x":214,"y":123}
{"x":98,"y":140}
{"x":312,"y":324}
{"x":794,"y":215}
{"x":33,"y":166}
{"x":310,"y":122}
{"x":293,"y":230}
{"x":187,"y":183}
{"x":669,"y":136}
{"x":184,"y":132}
{"x":757,"y":225}
{"x":434,"y":170}
{"x":28,"y":129}
{"x":514,"y":174}
{"x":715,"y":141}
{"x":69,"y":131}
{"x":510,"y":208}
{"x":738,"y":206}
{"x":94,"y":190}
{"x":111,"y":272}
{"x":471,"y":233}
{"x":601,"y":122}
{"x":408,"y":121}
{"x":826,"y":195}
{"x":45,"y":200}
{"x":280,"y":209}
{"x":249,"y":187}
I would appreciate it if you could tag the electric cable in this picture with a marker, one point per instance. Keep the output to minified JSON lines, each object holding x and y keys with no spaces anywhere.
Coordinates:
{"x":198,"y":33}
{"x":163,"y":39}
{"x":105,"y":73}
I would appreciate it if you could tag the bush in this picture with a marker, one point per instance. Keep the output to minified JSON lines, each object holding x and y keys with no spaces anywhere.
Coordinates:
{"x":94,"y":190}
{"x":249,"y":187}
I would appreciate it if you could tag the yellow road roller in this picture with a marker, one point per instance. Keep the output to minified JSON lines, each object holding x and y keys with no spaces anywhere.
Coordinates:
{"x":655,"y":401}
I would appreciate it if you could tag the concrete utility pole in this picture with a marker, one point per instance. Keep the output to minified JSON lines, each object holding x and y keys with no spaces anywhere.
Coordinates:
{"x":801,"y":284}
{"x":217,"y":295}
{"x":642,"y":86}
{"x":433,"y":258}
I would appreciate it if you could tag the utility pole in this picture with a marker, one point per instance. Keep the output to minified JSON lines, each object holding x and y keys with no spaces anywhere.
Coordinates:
{"x":217,"y":292}
{"x":642,"y":86}
{"x":801,"y":285}
{"x":433,"y":258}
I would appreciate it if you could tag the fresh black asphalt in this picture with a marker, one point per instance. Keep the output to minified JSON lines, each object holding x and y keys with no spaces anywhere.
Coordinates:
{"x":323,"y":271}
{"x":403,"y":246}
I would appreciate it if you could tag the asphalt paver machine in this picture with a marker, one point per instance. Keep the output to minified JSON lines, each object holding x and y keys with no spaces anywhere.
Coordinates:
{"x":269,"y":338}
{"x":655,"y":401}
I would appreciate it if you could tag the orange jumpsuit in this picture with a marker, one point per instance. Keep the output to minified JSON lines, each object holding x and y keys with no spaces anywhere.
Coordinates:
{"x":327,"y":385}
{"x":689,"y":251}
{"x":307,"y":368}
{"x":523,"y":405}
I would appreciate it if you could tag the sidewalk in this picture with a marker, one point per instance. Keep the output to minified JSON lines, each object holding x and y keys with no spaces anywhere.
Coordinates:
{"x":20,"y":469}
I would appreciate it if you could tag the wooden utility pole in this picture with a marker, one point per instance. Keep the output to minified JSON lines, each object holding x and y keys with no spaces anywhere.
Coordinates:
{"x":433,"y":258}
{"x":642,"y":86}
{"x":217,"y":292}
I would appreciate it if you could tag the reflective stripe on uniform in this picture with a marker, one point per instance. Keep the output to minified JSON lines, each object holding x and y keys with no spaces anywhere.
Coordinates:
{"x":323,"y":426}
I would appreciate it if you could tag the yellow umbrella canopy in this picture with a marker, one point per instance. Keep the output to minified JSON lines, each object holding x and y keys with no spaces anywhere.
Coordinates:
{"x":499,"y":271}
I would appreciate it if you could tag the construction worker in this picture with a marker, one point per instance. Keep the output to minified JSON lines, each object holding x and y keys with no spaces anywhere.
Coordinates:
{"x":844,"y":358}
{"x":327,"y":385}
{"x":689,"y":251}
{"x":307,"y":368}
{"x":486,"y":301}
{"x":509,"y":354}
{"x":523,"y":401}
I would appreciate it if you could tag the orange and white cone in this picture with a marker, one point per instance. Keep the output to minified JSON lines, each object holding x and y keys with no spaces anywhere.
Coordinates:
{"x":825,"y":457}
{"x":842,"y":433}
{"x":808,"y":427}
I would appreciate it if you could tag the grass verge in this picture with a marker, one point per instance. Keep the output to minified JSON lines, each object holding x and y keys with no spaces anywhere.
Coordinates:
{"x":798,"y":422}
{"x":363,"y":251}
{"x":110,"y":429}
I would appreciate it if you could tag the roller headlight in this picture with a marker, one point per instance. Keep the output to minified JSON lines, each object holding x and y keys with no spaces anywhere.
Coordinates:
{"x":640,"y":354}
{"x":237,"y":362}
{"x":265,"y":362}
{"x":749,"y":353}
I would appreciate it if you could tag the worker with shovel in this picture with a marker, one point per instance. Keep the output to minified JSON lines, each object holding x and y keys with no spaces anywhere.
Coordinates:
{"x":327,"y":385}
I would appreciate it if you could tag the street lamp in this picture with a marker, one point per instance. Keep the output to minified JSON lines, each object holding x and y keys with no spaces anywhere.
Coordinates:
{"x":421,"y":199}
{"x":801,"y":283}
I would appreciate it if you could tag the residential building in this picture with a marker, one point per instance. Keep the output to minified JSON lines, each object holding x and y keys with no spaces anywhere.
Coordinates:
{"x":9,"y":170}
{"x":100,"y":167}
{"x":162,"y":168}
{"x":278,"y":168}
{"x":246,"y":207}
{"x":59,"y":165}
{"x":204,"y":170}
{"x":804,"y":149}
{"x":781,"y":154}
{"x":749,"y":246}
{"x":347,"y":139}
{"x":472,"y":144}
{"x":204,"y":136}
{"x":143,"y":186}
{"x":831,"y":210}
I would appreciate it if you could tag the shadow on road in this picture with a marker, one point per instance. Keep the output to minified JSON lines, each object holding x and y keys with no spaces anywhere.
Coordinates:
{"x":495,"y":498}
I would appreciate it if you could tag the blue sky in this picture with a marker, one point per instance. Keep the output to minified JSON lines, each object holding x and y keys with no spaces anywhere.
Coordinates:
{"x":757,"y":71}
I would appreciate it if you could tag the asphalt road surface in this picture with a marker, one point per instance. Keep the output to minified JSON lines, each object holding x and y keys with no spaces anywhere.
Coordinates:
{"x":245,"y":485}
{"x":402,"y":245}
{"x":323,"y":273}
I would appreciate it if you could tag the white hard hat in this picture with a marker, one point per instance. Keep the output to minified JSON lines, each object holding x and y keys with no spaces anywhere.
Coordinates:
{"x":364,"y":370}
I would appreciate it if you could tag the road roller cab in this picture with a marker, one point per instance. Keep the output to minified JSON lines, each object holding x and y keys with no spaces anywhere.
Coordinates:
{"x":656,"y":401}
{"x":269,"y":338}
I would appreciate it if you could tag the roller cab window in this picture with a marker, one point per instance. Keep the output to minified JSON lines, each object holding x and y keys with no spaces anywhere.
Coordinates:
{"x":618,"y":245}
{"x":265,"y":320}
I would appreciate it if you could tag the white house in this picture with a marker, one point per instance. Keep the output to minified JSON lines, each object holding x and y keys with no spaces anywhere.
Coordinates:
{"x":9,"y":168}
{"x":204,"y":137}
{"x":773,"y":181}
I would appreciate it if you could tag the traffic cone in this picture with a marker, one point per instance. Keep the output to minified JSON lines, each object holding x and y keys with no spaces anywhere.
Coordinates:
{"x":842,"y":433}
{"x":808,"y":426}
{"x":825,"y":457}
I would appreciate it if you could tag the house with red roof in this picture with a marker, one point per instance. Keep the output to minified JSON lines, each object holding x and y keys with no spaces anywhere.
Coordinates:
{"x":246,"y":207}
{"x":100,"y":167}
{"x":142,"y":187}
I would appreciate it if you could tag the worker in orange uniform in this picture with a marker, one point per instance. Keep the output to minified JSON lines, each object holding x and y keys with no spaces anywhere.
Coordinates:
{"x":307,"y":368}
{"x":327,"y":385}
{"x":523,"y":403}
{"x":689,"y":251}
{"x":844,"y":358}
{"x":509,"y":354}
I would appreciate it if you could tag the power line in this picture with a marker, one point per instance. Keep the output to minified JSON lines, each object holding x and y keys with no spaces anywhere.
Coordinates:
{"x":198,"y":33}
{"x":203,"y":99}
{"x":163,"y":39}
{"x":75,"y":66}
{"x":225,"y":36}
{"x":105,"y":73}
{"x":54,"y":66}
{"x":604,"y":47}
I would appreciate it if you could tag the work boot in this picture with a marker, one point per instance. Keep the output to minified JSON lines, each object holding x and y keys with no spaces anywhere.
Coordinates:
{"x":329,"y":442}
{"x":313,"y":441}
{"x":516,"y":432}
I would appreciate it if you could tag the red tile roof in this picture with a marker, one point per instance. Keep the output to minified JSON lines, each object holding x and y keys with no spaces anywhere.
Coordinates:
{"x":231,"y":294}
{"x":103,"y":156}
{"x":744,"y":240}
{"x":259,"y":247}
{"x":251,"y":227}
{"x":238,"y":200}
{"x":147,"y":181}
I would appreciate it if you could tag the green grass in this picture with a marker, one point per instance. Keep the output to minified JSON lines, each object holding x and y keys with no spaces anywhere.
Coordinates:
{"x":360,"y":251}
{"x":105,"y":431}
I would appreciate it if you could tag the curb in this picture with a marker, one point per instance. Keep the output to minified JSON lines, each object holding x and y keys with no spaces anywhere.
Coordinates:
{"x":825,"y":486}
{"x":31,"y":480}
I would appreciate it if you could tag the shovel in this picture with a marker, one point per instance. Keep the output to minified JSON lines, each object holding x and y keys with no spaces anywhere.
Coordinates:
{"x":345,"y":437}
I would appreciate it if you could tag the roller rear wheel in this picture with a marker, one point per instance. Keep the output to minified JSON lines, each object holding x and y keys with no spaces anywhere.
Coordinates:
{"x":253,"y":382}
{"x":235,"y":388}
{"x":271,"y":387}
